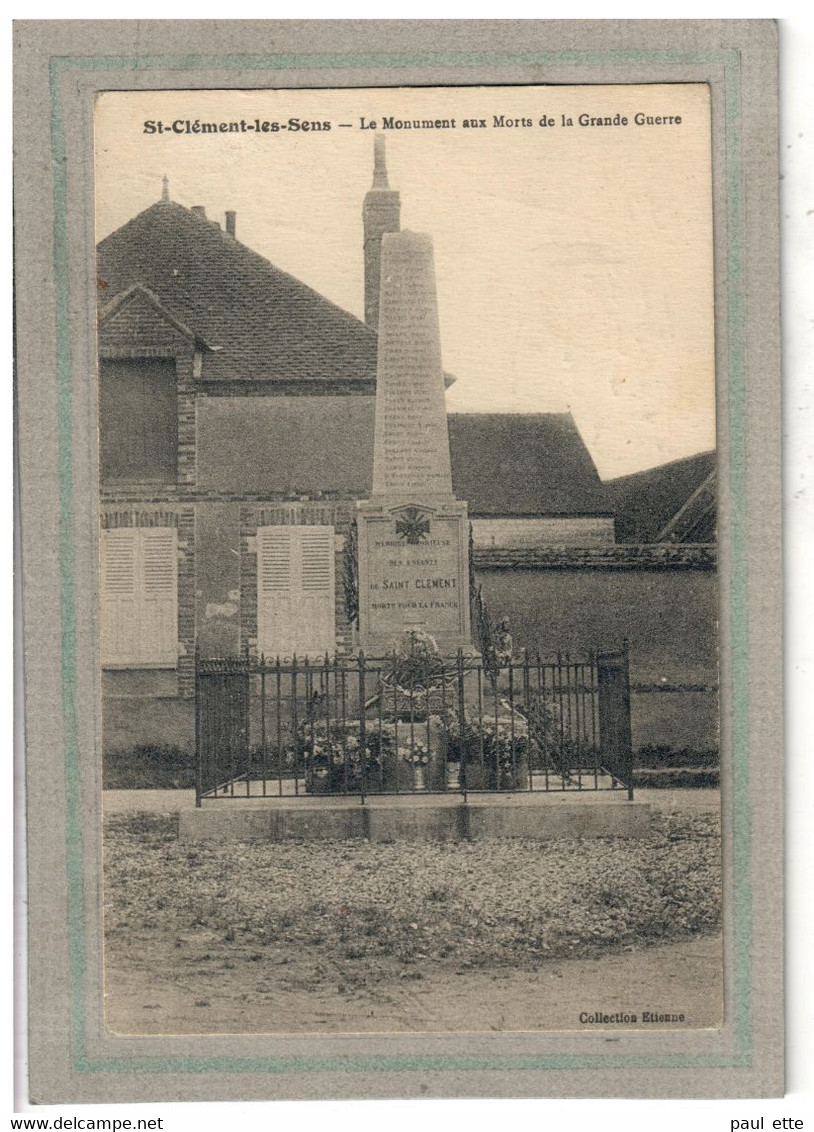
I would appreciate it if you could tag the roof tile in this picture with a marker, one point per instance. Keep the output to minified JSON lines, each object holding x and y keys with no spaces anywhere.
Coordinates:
{"x":270,"y":325}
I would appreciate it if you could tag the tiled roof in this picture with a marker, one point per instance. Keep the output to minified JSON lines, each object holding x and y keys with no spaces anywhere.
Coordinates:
{"x":646,"y":503}
{"x":263,"y":325}
{"x":523,"y":464}
{"x":269,"y":325}
{"x":135,"y":319}
{"x":501,"y":465}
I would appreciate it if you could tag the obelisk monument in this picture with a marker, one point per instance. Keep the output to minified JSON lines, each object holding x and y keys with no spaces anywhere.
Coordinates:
{"x":413,"y":533}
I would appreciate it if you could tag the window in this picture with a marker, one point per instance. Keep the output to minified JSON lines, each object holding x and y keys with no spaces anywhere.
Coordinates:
{"x":139,"y":597}
{"x":138,"y":421}
{"x":295,"y":591}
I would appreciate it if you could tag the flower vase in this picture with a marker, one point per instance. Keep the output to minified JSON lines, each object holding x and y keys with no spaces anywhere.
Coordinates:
{"x":419,"y":782}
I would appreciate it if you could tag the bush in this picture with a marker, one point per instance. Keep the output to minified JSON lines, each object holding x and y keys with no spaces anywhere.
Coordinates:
{"x":659,"y":755}
{"x":676,"y":778}
{"x":334,"y":761}
{"x":492,"y":760}
{"x":148,"y":767}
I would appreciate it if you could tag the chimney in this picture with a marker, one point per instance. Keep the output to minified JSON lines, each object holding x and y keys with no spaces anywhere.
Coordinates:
{"x":199,"y":211}
{"x":231,"y":223}
{"x":381,"y":213}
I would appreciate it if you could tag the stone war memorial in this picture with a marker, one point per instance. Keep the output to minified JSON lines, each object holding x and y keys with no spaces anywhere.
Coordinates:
{"x":425,"y":713}
{"x":413,"y":534}
{"x":427,"y":710}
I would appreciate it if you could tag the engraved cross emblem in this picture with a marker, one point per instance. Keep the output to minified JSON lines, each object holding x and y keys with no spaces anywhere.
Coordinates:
{"x":413,"y":526}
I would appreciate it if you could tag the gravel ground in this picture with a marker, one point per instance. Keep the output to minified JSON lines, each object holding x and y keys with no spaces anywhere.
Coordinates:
{"x":481,"y":905}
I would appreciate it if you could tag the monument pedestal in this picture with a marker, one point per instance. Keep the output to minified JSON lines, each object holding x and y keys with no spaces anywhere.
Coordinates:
{"x":413,"y":573}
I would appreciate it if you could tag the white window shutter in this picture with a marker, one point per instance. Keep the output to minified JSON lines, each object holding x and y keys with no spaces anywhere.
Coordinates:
{"x":275,"y":609}
{"x":275,"y":559}
{"x":139,"y":597}
{"x":295,"y":591}
{"x":316,"y":559}
{"x":317,"y":612}
{"x":119,"y":615}
{"x":159,"y":597}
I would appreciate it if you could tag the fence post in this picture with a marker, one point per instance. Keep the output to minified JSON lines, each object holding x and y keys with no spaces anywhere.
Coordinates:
{"x":462,"y":719}
{"x":295,"y":731}
{"x":245,"y":707}
{"x":627,"y":738}
{"x":278,"y":710}
{"x":198,"y":749}
{"x":527,"y":711}
{"x":362,"y":728}
{"x":594,"y":700}
{"x":262,"y":720}
{"x":309,"y":733}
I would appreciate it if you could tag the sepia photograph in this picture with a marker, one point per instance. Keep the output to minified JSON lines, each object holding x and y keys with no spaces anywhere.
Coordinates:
{"x":408,"y":570}
{"x":398,"y":435}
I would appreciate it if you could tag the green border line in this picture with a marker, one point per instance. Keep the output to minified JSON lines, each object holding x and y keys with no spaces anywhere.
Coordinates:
{"x":742,"y":1057}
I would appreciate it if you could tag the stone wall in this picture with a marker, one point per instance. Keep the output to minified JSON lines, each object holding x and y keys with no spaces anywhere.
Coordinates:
{"x":149,"y":721}
{"x":585,"y":601}
{"x":542,"y":531}
{"x":653,"y":556}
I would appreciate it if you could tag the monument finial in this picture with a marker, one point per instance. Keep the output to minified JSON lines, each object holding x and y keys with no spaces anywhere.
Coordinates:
{"x":380,"y":214}
{"x":165,"y":187}
{"x":379,"y":163}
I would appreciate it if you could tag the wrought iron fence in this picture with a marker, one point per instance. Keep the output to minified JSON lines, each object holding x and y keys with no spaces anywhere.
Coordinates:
{"x":355,"y":726}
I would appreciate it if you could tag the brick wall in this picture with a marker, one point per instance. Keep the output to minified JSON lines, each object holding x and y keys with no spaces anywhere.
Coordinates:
{"x":187,"y":455}
{"x":186,"y":601}
{"x":134,"y":515}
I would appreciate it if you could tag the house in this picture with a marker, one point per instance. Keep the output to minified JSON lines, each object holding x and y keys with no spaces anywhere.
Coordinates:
{"x":236,"y":411}
{"x":674,"y":502}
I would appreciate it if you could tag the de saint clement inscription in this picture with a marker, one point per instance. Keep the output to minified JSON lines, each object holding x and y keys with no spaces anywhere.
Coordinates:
{"x":413,"y":533}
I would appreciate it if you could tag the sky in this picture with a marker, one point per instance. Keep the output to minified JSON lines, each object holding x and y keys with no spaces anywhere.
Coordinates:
{"x":573,"y":263}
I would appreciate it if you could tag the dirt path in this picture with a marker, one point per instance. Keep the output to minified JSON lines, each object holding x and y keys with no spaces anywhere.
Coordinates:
{"x":198,"y":994}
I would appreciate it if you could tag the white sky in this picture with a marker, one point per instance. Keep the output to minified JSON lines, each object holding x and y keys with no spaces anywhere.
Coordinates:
{"x":574,"y":264}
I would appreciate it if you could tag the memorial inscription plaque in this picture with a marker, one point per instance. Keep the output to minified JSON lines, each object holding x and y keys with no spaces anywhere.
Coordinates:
{"x":415,"y":575}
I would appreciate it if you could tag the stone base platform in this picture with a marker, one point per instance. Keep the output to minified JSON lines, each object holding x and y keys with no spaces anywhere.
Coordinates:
{"x":416,"y":818}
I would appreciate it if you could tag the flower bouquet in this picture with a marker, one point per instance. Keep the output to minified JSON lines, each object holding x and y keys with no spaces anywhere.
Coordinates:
{"x":414,"y":675}
{"x":417,"y":756}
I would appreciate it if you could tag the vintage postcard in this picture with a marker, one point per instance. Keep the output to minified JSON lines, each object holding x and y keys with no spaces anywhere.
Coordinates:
{"x":407,"y":458}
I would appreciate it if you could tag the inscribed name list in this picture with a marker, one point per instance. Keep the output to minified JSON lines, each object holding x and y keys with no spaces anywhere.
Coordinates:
{"x":411,"y":447}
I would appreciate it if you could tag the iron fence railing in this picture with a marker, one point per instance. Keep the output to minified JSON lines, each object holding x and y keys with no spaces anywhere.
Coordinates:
{"x":360,"y":726}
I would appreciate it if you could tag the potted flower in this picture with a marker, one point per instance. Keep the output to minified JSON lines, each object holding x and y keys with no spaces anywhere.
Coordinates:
{"x":417,"y":756}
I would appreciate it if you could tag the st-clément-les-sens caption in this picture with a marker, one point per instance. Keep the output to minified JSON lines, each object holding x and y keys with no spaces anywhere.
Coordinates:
{"x":196,"y":126}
